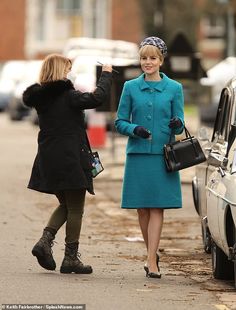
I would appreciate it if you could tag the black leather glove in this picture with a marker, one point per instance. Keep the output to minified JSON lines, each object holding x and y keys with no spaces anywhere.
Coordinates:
{"x":142,"y":132}
{"x":174,"y":123}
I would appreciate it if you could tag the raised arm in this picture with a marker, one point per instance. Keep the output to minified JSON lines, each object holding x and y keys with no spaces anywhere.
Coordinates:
{"x":91,"y":100}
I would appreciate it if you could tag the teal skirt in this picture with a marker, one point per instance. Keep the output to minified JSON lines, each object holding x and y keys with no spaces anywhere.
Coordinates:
{"x":147,"y":184}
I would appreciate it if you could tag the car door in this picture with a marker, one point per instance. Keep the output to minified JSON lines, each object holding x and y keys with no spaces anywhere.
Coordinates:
{"x":218,"y":180}
{"x":212,"y":147}
{"x":232,"y":168}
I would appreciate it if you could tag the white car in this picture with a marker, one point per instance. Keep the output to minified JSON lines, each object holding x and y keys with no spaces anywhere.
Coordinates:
{"x":16,"y":109}
{"x":11,"y":74}
{"x":214,"y":187}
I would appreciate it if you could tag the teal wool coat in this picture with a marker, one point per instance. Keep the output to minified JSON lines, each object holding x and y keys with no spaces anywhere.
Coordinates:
{"x":152,"y":108}
{"x":151,"y":105}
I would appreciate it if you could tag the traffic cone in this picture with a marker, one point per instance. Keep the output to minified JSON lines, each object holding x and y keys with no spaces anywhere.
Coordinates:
{"x":96,"y":129}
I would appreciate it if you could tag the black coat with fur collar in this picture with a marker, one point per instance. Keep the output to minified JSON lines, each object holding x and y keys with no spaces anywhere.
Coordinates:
{"x":62,"y":161}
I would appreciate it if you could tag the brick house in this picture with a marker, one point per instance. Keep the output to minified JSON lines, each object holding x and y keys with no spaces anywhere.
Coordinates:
{"x":12,"y":22}
{"x":34,"y":28}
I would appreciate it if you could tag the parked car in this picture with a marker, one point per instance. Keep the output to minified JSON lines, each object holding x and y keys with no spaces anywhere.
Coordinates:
{"x":214,"y":187}
{"x":12,"y":72}
{"x":16,"y":109}
{"x":100,"y":48}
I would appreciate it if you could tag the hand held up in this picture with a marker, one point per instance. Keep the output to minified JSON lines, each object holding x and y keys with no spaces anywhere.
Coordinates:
{"x":107,"y":68}
{"x":142,"y":132}
{"x":175,"y":123}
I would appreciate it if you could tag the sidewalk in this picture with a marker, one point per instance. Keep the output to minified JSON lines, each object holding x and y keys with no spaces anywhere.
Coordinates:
{"x":110,"y":242}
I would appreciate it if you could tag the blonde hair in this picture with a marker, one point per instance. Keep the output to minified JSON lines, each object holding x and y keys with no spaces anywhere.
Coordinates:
{"x":53,"y":68}
{"x":150,"y":50}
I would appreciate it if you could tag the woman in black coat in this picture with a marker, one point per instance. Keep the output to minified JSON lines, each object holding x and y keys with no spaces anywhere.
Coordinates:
{"x":62,"y":165}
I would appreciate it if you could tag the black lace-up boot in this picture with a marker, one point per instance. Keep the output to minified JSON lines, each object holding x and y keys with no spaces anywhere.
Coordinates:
{"x":43,"y":250}
{"x":71,"y":262}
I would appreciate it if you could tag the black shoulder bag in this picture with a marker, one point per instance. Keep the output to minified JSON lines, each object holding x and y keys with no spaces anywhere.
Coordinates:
{"x":183,"y":153}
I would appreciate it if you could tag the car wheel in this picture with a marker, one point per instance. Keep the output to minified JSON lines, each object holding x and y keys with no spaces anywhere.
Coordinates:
{"x":206,"y":239}
{"x":222,"y":268}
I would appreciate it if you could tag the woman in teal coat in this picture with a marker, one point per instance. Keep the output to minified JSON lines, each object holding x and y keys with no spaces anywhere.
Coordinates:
{"x":151,"y":109}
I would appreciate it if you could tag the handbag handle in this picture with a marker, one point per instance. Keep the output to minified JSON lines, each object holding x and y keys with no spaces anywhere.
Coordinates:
{"x":187,"y":136}
{"x":187,"y":133}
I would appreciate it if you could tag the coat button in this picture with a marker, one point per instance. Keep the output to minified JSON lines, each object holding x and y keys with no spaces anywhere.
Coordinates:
{"x":149,"y":117}
{"x":149,"y":104}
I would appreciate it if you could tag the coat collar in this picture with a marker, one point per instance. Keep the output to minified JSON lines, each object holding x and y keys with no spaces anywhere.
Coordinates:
{"x":46,"y":93}
{"x":159,"y":86}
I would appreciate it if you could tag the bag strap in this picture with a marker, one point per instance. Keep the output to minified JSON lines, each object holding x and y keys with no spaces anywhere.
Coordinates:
{"x":87,"y":139}
{"x":187,"y":134}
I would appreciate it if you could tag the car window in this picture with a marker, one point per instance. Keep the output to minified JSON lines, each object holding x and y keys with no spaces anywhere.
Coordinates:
{"x":233,"y":117}
{"x":222,"y":121}
{"x":226,"y":121}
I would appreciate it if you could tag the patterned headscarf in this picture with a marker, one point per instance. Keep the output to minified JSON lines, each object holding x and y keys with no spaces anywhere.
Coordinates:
{"x":159,"y":43}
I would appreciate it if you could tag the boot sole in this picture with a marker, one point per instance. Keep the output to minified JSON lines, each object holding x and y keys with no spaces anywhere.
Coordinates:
{"x":39,"y":254}
{"x":71,"y":270}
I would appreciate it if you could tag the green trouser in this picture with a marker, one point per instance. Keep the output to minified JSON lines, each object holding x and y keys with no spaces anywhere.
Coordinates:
{"x":69,"y":211}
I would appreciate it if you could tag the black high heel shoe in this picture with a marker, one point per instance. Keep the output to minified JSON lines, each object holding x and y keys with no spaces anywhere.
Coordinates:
{"x":157,"y":261}
{"x":156,"y":275}
{"x":153,"y":274}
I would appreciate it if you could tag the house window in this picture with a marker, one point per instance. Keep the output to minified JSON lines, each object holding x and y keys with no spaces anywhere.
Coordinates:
{"x":68,"y":6}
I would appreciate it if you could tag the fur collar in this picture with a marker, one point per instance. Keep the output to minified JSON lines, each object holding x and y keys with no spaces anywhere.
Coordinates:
{"x":38,"y":96}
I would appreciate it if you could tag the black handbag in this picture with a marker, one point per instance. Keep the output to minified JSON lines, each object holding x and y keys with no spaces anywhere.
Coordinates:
{"x":183,"y":153}
{"x":97,"y":166}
